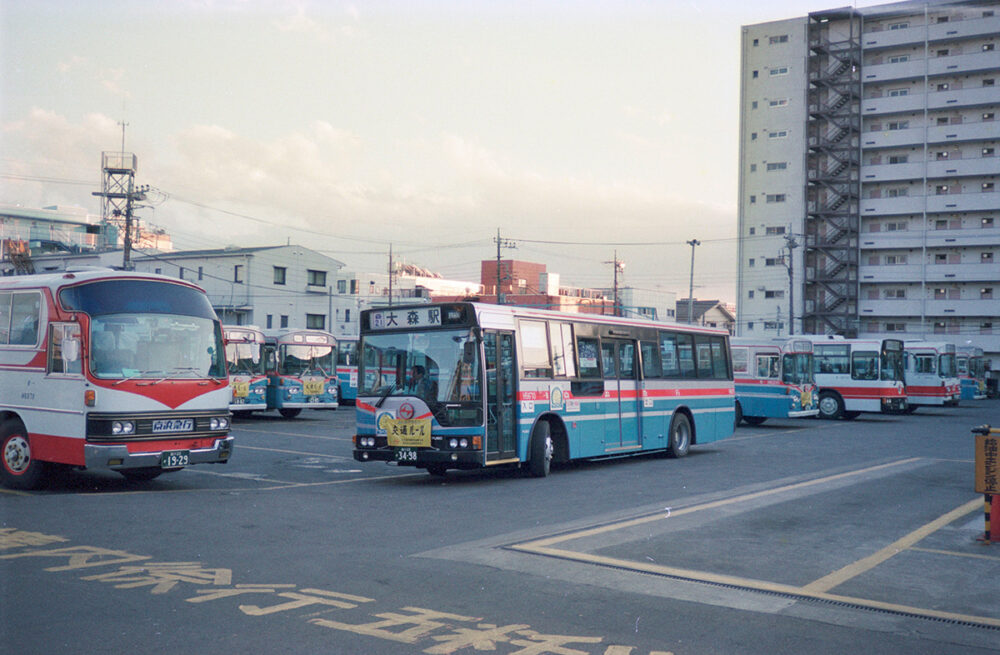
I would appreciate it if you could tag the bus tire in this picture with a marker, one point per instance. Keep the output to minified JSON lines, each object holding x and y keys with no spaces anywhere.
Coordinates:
{"x":540,"y":450}
{"x":290,"y":413}
{"x":18,"y":470}
{"x":910,"y":409}
{"x":831,"y":406}
{"x":850,"y":416}
{"x":142,"y":474}
{"x":754,"y":420}
{"x":437,"y":470}
{"x":680,"y":436}
{"x":739,"y":415}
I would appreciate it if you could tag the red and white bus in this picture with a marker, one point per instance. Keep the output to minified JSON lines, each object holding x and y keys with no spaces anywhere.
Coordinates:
{"x":858,"y":375}
{"x":109,"y":370}
{"x":931,"y":374}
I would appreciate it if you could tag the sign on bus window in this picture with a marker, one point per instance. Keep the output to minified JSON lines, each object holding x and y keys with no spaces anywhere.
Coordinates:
{"x":588,"y":349}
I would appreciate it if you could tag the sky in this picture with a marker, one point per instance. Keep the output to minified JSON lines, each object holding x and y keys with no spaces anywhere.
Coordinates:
{"x":582,"y":131}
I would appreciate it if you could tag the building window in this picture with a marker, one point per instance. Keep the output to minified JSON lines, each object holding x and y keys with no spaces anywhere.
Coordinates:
{"x":988,"y":47}
{"x":942,"y":155}
{"x":986,"y":293}
{"x":986,"y":258}
{"x":988,"y":152}
{"x":895,"y":93}
{"x":180,"y":272}
{"x":755,"y":74}
{"x":238,"y":273}
{"x":941,"y":189}
{"x":988,"y":116}
{"x":986,"y":327}
{"x":201,"y":272}
{"x":753,"y":199}
{"x":895,"y":293}
{"x":899,"y":125}
{"x":940,"y":294}
{"x":895,"y":327}
{"x":987,"y":223}
{"x":940,"y":258}
{"x":898,"y":192}
{"x":753,"y":168}
{"x":756,"y":42}
{"x":777,"y":134}
{"x":898,"y":26}
{"x":943,"y":52}
{"x":774,"y":294}
{"x":940,"y":327}
{"x":896,"y":226}
{"x":316,"y":278}
{"x":942,"y":19}
{"x":893,"y":260}
{"x":989,"y":81}
{"x":898,"y":159}
{"x":753,"y":136}
{"x":284,"y":321}
{"x":751,"y":266}
{"x":279,"y":274}
{"x":269,"y":321}
{"x":753,"y":105}
{"x":778,"y":39}
{"x":772,"y":261}
{"x":783,"y":70}
{"x":988,"y":187}
{"x":777,"y":166}
{"x":316,"y":321}
{"x":899,"y":59}
{"x":780,"y":102}
{"x":777,"y":197}
{"x":750,"y":293}
{"x":779,"y":229}
{"x":158,"y":271}
{"x":941,"y":224}
{"x":943,"y":86}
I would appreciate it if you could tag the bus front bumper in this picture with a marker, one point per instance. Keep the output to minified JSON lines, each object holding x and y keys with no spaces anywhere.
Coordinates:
{"x":461,"y":459}
{"x":116,"y":457}
{"x":803,"y":413}
{"x":893,"y":405}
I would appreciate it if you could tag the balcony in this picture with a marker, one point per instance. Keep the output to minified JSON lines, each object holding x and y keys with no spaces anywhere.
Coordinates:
{"x":952,"y":202}
{"x":906,"y":239}
{"x":929,"y":307}
{"x":972,"y":97}
{"x":893,"y":104}
{"x":943,"y":168}
{"x":935,"y":66}
{"x":934,"y":273}
{"x":952,"y":30}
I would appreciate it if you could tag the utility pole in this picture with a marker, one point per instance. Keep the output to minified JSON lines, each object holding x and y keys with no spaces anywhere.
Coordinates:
{"x":692,"y":243}
{"x":619,"y":266}
{"x":501,"y":243}
{"x":791,"y":244}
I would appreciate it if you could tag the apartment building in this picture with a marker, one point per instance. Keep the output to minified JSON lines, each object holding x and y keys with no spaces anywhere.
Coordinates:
{"x":868,"y":173}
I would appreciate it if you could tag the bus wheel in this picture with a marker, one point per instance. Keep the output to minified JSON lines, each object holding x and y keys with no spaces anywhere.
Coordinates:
{"x":850,"y":416}
{"x":540,"y":450}
{"x":754,"y":420}
{"x":437,"y":470}
{"x":290,"y":413}
{"x":19,"y":470}
{"x":680,"y":436}
{"x":141,"y":475}
{"x":910,"y":409}
{"x":830,"y":405}
{"x":739,"y":416}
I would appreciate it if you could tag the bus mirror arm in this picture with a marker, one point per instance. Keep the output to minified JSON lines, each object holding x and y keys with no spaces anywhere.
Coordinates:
{"x":469,"y":352}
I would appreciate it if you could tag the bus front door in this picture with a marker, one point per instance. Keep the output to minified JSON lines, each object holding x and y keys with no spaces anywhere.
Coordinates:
{"x":501,"y":435}
{"x":623,"y":418}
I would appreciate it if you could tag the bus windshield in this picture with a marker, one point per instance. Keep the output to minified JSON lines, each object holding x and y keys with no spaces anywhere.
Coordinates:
{"x":441,"y":366}
{"x":946,"y":367}
{"x":306,"y":360}
{"x":131,"y":345}
{"x":892,"y":365}
{"x":244,"y":358}
{"x":797,"y":368}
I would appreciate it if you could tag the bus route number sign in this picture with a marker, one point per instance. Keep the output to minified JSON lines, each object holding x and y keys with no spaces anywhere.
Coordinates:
{"x":987,"y":463}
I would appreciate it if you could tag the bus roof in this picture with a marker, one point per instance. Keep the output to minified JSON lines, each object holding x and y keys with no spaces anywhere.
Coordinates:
{"x":917,"y":345}
{"x":489,"y":315}
{"x":56,"y":281}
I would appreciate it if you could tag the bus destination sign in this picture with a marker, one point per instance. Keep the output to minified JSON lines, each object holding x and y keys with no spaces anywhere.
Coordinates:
{"x":392,"y":319}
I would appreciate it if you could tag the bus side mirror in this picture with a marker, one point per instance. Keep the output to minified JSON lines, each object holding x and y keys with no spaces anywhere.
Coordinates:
{"x":469,"y":352}
{"x":71,"y":349}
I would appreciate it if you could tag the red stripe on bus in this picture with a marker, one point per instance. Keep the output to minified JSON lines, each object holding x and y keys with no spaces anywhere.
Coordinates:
{"x":172,"y":393}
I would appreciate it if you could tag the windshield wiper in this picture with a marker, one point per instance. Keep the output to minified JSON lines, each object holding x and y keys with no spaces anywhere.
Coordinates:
{"x":137,"y":374}
{"x":385,"y":394}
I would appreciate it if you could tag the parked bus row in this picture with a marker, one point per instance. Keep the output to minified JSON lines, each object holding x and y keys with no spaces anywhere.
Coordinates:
{"x":286,"y":371}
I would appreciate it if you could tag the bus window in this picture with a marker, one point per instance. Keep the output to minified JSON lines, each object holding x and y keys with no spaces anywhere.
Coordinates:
{"x":740,"y":356}
{"x":561,"y":338}
{"x":668,"y":355}
{"x":626,"y":360}
{"x":587,"y":349}
{"x":685,"y":355}
{"x":864,"y":365}
{"x":64,"y":349}
{"x":767,"y":366}
{"x":651,"y":367}
{"x":24,"y":312}
{"x":832,"y":359}
{"x":923,"y":363}
{"x":608,"y":359}
{"x":711,"y":358}
{"x":535,"y":350}
{"x":720,"y":361}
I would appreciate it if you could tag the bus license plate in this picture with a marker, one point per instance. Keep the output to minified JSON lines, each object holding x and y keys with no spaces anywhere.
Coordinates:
{"x":312,"y":388}
{"x":408,"y":432}
{"x":406,"y":455}
{"x":174,"y":458}
{"x":173,"y":425}
{"x":241,"y":389}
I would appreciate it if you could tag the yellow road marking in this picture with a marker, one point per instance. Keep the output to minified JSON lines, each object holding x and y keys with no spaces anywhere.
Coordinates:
{"x":955,"y":553}
{"x":714,"y":504}
{"x":14,"y":492}
{"x":837,"y":578}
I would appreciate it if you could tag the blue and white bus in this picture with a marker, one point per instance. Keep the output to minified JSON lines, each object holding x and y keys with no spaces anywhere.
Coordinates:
{"x":302,"y":371}
{"x":971,"y":372}
{"x":246,"y":363}
{"x":773,"y":379}
{"x":468,"y":385}
{"x":347,"y":369}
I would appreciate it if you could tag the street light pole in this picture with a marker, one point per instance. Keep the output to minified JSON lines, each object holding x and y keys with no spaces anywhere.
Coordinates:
{"x":692,"y":243}
{"x":792,"y":245}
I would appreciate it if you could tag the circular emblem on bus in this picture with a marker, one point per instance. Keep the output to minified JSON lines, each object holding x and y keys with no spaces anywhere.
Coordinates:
{"x":405,"y":410}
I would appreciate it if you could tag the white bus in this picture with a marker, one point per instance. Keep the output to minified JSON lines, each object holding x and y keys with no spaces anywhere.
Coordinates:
{"x":931,"y":374}
{"x":773,"y":379}
{"x":469,"y":385}
{"x":858,"y":375}
{"x":109,"y":370}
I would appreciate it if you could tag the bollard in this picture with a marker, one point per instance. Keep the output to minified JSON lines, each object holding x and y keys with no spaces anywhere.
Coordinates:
{"x":988,"y":474}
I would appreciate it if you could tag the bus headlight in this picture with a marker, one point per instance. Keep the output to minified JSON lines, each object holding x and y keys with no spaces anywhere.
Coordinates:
{"x":453,"y":443}
{"x":464,"y":443}
{"x":219,"y":423}
{"x":122,"y":427}
{"x":293,"y":390}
